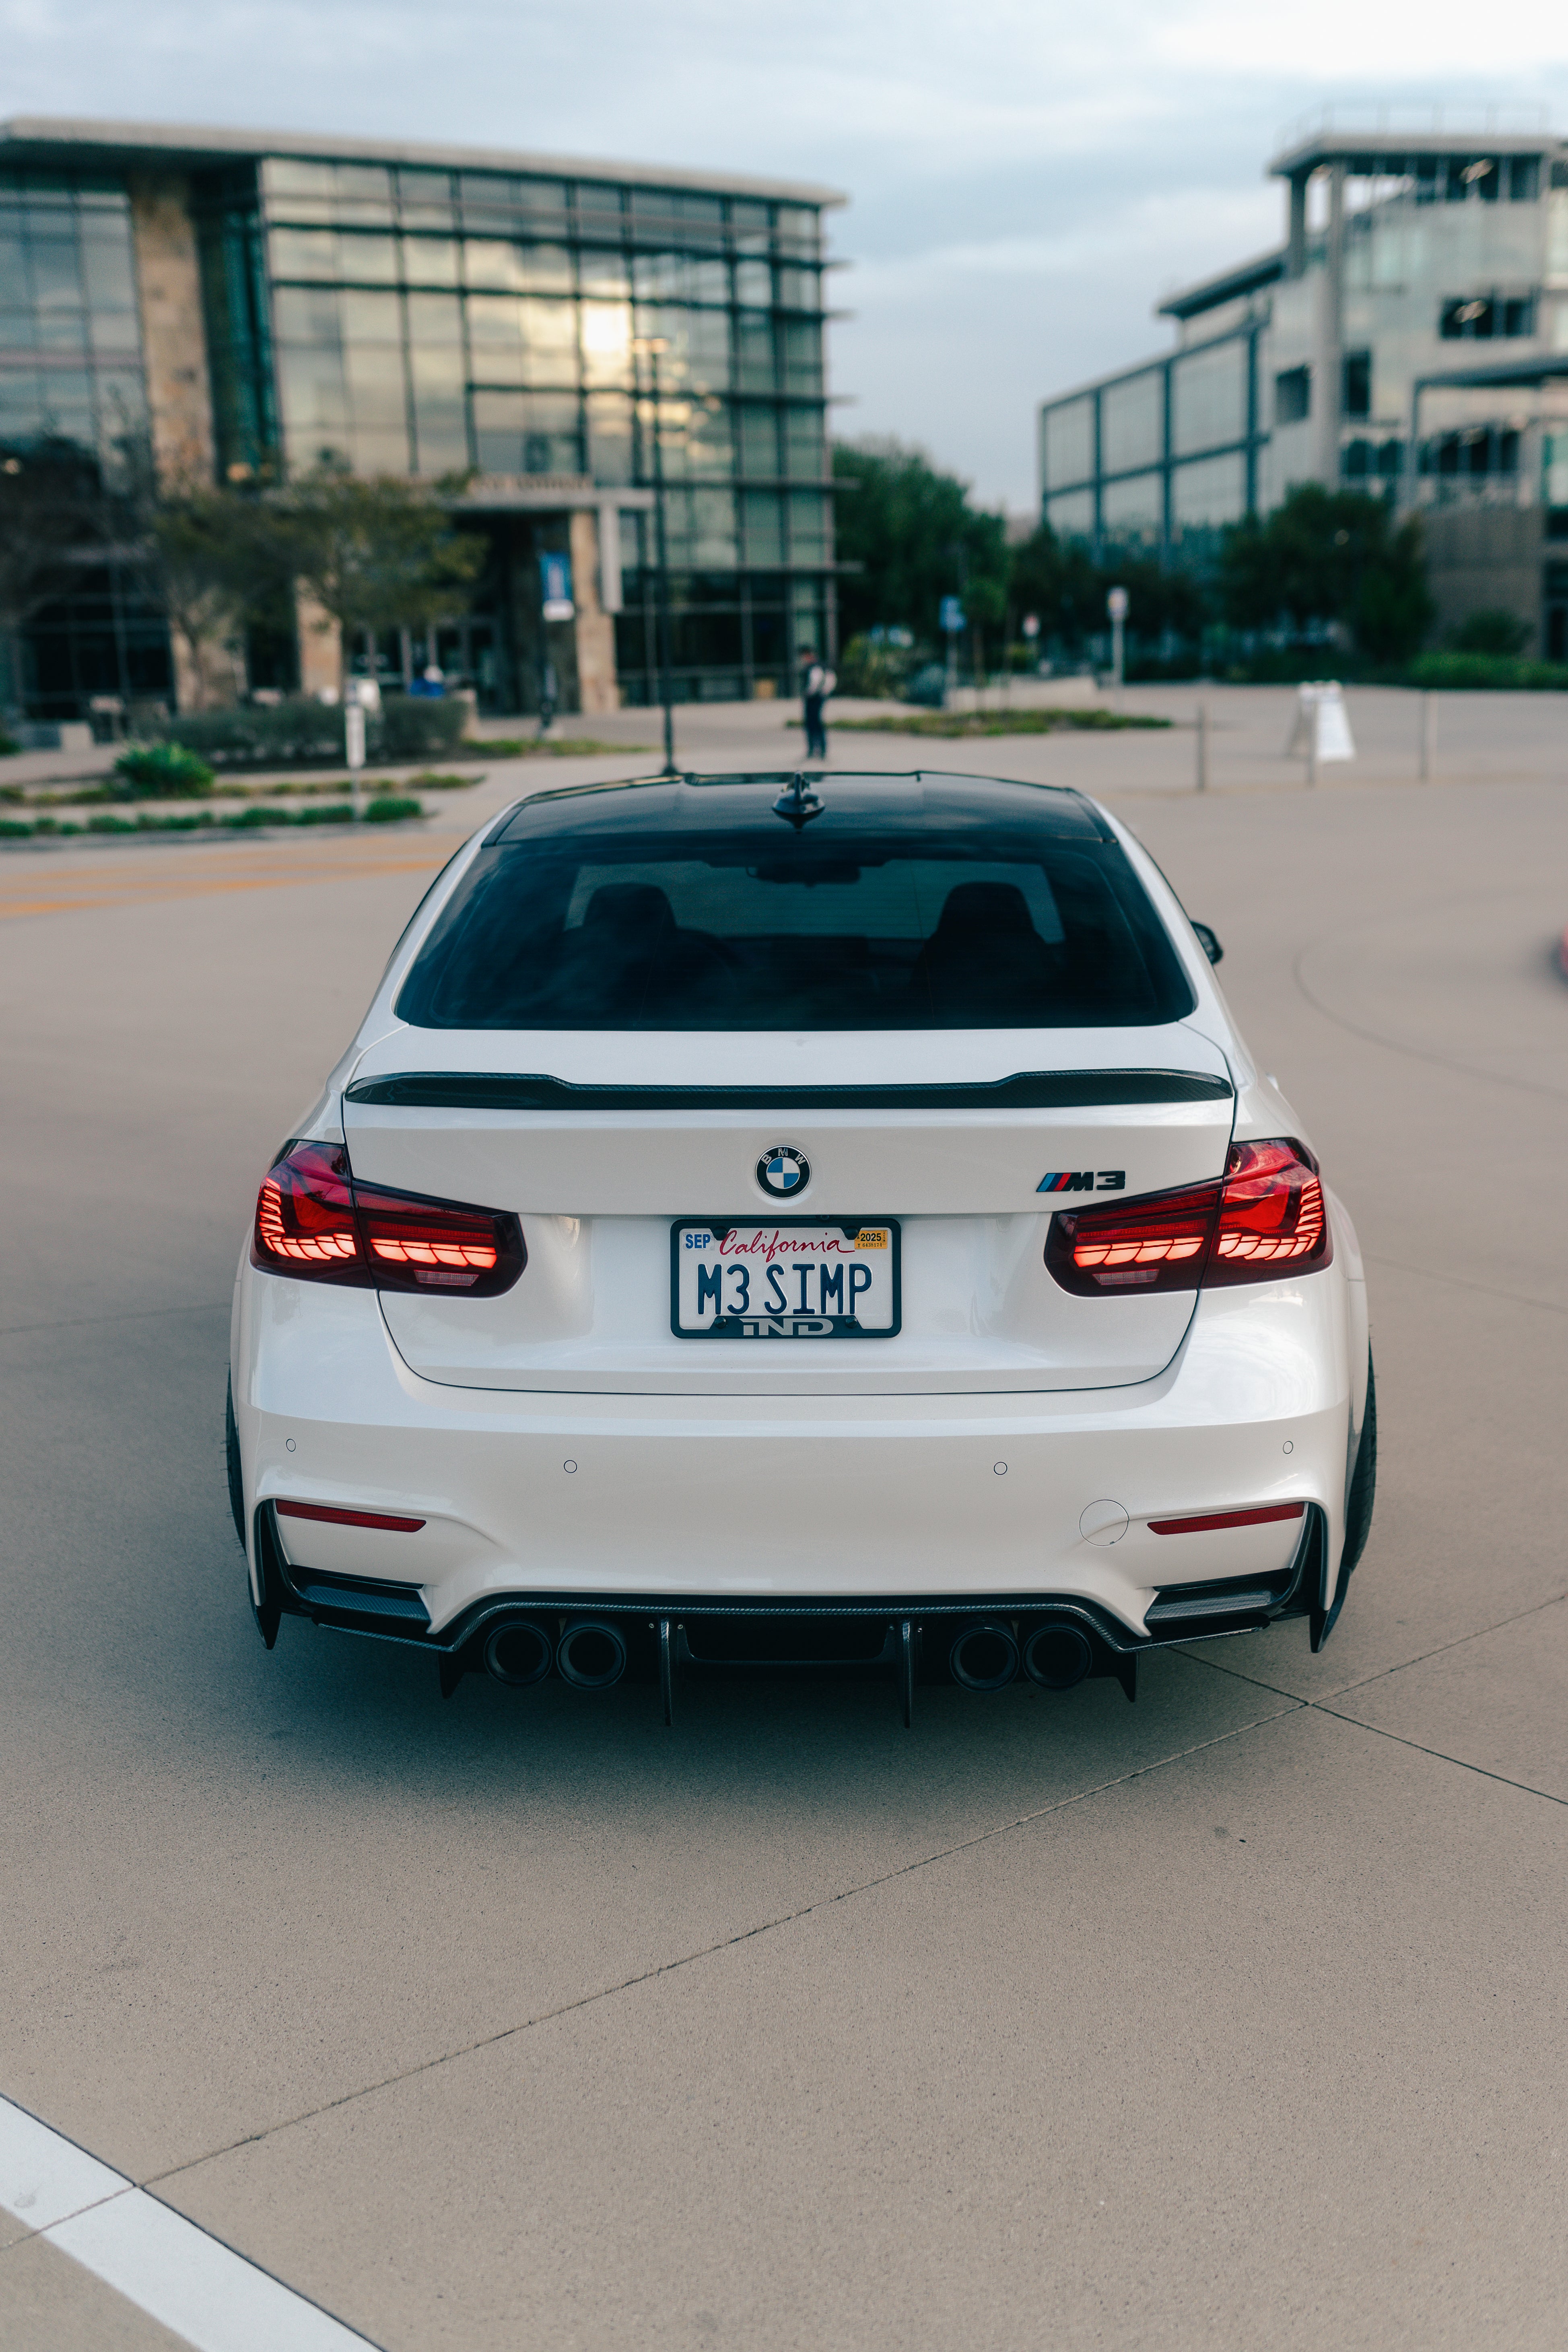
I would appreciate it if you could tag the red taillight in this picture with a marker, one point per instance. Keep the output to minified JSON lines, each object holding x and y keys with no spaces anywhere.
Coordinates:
{"x":1272,"y":1220}
{"x":1159,"y":1243}
{"x":1266,"y":1219}
{"x":315,"y":1223}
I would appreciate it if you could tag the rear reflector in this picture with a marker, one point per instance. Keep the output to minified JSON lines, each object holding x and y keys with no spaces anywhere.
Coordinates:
{"x":383,"y":1519}
{"x":1265,"y":1219}
{"x":313,"y":1220}
{"x":1207,"y":1519}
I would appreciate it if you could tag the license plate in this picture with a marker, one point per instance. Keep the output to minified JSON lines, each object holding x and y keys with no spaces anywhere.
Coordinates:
{"x":789,"y":1278}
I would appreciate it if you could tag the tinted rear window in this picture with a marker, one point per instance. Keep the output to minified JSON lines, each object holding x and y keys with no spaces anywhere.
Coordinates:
{"x":849,"y":926}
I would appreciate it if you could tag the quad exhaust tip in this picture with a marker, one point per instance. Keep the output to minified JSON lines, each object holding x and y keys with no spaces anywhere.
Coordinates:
{"x":519,"y":1652}
{"x":984,"y":1657}
{"x":1057,"y":1654}
{"x":592,"y":1653}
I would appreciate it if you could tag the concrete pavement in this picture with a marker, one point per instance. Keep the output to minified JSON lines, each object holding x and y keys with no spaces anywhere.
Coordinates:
{"x":1231,"y":2018}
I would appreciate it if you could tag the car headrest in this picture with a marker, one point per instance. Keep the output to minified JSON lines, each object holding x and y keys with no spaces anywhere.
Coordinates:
{"x":971,"y":908}
{"x":629,"y":906}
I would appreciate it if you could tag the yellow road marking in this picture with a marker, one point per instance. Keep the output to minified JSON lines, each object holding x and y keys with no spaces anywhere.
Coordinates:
{"x":65,"y":892}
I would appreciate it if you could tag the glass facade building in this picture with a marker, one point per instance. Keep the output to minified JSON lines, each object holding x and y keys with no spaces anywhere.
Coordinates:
{"x":71,"y":384}
{"x":431,"y":314}
{"x":1409,"y":337}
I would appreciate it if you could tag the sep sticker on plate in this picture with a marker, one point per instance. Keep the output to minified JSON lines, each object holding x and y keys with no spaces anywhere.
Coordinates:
{"x":794,"y":1278}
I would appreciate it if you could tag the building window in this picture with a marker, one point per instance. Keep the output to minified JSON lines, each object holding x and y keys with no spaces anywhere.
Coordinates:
{"x":1131,"y":513}
{"x":1208,"y":398}
{"x":1293,"y":395}
{"x":1132,"y":422}
{"x":1204,"y":498}
{"x":1478,"y":176}
{"x":1524,"y":179}
{"x":1068,"y":438}
{"x":1479,"y":316}
{"x":69,"y":323}
{"x":1071,"y":514}
{"x":1477,"y":451}
{"x":1358,"y":384}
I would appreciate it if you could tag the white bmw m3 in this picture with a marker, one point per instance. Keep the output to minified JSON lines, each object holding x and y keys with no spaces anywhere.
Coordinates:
{"x":838,"y":1224}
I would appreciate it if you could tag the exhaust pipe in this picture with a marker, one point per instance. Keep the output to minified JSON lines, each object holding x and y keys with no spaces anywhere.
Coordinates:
{"x":519,"y":1652}
{"x":592,"y":1653}
{"x":984,"y":1657}
{"x":1057,"y":1654}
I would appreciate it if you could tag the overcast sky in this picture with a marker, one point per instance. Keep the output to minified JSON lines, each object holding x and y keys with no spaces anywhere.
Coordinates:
{"x":1027,"y":177}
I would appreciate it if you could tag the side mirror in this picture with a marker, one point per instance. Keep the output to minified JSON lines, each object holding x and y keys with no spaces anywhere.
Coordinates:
{"x":1209,"y":943}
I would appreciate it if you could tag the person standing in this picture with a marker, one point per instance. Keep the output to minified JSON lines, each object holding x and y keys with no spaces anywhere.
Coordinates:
{"x":817,"y":683}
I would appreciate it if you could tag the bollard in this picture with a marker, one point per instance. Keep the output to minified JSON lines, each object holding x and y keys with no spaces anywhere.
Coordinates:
{"x":1428,"y":732}
{"x":1203,"y":747}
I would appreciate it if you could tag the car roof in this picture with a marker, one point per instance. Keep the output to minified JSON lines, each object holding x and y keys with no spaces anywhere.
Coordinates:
{"x":743,"y":802}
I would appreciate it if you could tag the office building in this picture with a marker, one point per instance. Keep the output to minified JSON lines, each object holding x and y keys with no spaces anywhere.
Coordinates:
{"x":1409,"y":337}
{"x":245,"y":308}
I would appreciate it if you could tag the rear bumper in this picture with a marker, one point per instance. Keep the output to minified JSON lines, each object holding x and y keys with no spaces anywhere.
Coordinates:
{"x":656,"y":1504}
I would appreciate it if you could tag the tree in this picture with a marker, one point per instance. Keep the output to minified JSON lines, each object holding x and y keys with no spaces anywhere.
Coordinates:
{"x":917,"y":539}
{"x":1066,"y":588}
{"x":377,"y":553}
{"x":204,"y":563}
{"x":1330,"y":555}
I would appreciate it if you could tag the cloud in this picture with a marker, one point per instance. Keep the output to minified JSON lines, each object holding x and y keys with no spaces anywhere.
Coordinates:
{"x":1028,"y":176}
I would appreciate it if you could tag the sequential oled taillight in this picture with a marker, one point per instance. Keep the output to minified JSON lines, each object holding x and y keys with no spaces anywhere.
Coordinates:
{"x":316,"y":1222}
{"x":1265,"y":1219}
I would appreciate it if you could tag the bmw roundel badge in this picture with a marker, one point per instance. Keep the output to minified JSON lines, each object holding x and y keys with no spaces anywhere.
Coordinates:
{"x":784,"y":1170}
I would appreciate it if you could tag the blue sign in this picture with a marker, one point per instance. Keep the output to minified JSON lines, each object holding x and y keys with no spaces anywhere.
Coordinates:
{"x":952,"y":615}
{"x":555,"y":587}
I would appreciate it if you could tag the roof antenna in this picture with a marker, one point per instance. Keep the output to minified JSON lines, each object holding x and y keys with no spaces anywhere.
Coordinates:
{"x":798,"y":804}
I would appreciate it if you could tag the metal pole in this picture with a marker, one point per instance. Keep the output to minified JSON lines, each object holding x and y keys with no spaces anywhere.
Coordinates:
{"x":1313,"y":743}
{"x":1428,"y":732}
{"x":1203,"y":747}
{"x":664,"y":687}
{"x":353,"y":742}
{"x":1116,"y":662}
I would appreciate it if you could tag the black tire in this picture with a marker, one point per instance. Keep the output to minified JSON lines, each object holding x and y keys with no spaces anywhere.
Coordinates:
{"x":235,"y":1480}
{"x":1364,"y":1482}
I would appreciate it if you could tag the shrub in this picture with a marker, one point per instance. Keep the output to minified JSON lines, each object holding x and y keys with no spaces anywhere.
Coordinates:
{"x":391,"y":809}
{"x":1462,"y":672}
{"x":7,"y":745}
{"x":1494,"y":630}
{"x":263,"y":736}
{"x":301,"y":729}
{"x":419,"y":727}
{"x":163,"y":771}
{"x":878,"y":663}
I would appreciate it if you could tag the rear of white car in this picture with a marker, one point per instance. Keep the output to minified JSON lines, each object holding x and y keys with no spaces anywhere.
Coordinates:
{"x":760,"y":1225}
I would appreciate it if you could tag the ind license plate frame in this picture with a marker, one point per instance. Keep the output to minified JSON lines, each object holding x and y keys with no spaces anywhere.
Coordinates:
{"x":759,"y":1325}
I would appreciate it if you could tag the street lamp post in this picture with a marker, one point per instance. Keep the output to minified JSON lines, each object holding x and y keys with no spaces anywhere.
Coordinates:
{"x":653,"y":345}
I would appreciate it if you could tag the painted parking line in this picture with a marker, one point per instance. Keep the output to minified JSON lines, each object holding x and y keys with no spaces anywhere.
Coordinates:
{"x":191,"y":2283}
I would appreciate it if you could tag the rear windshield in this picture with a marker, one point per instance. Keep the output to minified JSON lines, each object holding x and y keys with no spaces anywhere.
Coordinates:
{"x":867,"y":931}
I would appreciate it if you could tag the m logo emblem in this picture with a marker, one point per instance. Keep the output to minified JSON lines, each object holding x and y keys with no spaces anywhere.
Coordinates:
{"x":1084,"y":1180}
